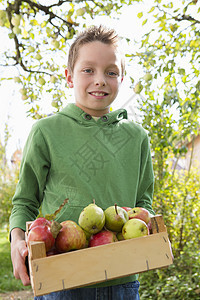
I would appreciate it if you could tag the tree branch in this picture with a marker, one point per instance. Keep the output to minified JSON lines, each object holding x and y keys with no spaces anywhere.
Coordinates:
{"x":187,"y":18}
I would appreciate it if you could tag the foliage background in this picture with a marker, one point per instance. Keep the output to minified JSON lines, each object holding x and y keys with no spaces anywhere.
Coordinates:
{"x":168,"y":104}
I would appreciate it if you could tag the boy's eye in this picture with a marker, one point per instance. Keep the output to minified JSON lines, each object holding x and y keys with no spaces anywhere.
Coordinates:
{"x":113,"y":74}
{"x":88,"y":71}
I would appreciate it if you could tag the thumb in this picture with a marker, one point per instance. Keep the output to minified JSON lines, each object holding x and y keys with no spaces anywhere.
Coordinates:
{"x":24,"y":252}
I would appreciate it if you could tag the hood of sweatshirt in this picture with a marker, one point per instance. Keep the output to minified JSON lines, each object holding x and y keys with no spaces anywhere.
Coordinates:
{"x":76,"y":113}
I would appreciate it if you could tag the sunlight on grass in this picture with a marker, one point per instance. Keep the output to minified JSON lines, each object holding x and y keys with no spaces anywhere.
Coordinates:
{"x":7,"y":280}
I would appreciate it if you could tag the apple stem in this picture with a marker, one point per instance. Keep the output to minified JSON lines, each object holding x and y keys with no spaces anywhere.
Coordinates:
{"x":55,"y":228}
{"x":116,"y":208}
{"x":94,"y":201}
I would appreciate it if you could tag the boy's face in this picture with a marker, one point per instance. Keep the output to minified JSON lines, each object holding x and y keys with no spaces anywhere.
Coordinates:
{"x":96,"y":77}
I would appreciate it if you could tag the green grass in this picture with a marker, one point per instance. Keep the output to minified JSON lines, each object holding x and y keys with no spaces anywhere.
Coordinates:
{"x":7,"y":281}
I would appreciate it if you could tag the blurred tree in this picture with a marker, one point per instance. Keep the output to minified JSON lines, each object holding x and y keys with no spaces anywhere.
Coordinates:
{"x":40,"y":33}
{"x":169,"y":98}
{"x":168,"y":95}
{"x":8,"y":180}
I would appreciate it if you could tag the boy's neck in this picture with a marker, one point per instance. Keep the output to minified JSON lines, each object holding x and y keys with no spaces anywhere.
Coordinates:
{"x":94,"y":113}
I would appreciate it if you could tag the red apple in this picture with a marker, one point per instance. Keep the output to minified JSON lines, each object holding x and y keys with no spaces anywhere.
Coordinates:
{"x":139,"y":213}
{"x":40,"y":221}
{"x":149,"y":226}
{"x":42,"y":233}
{"x":127,"y":208}
{"x":70,"y":237}
{"x":53,"y":251}
{"x":102,"y":238}
{"x":134,"y":228}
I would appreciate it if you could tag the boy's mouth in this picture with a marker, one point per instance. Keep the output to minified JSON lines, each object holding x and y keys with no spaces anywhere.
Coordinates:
{"x":98,"y":94}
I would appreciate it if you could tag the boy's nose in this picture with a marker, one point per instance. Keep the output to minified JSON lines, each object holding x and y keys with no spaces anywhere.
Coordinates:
{"x":100,"y":81}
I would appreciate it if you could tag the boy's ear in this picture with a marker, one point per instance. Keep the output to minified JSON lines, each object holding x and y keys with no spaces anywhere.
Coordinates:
{"x":69,"y":78}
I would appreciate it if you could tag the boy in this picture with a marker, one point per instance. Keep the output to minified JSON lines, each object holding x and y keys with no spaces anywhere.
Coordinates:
{"x":82,"y":153}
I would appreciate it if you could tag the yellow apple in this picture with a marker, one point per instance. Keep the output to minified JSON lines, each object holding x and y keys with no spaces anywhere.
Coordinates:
{"x":134,"y":228}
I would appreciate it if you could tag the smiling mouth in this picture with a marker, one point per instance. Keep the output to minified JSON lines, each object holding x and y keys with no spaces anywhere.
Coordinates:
{"x":98,"y":94}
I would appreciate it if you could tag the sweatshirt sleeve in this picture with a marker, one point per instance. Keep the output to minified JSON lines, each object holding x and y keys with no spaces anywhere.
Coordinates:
{"x":146,"y":182}
{"x":32,"y":179}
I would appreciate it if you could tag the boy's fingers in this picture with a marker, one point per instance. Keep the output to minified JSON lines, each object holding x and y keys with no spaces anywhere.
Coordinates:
{"x":24,"y":276}
{"x":19,"y":267}
{"x":24,"y":253}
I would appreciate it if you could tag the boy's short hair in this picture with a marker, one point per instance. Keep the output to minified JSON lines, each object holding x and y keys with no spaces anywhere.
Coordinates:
{"x":93,"y":34}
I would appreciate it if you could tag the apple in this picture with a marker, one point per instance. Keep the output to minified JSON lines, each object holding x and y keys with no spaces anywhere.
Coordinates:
{"x":55,"y":43}
{"x":139,"y":213}
{"x":17,"y":30}
{"x":41,"y":81}
{"x":23,"y":91}
{"x":17,"y":79}
{"x":24,"y":97}
{"x":138,"y":88}
{"x":70,"y":237}
{"x":16,"y":20}
{"x":52,"y":251}
{"x":115,"y":218}
{"x":3,"y":17}
{"x":38,"y":56}
{"x":149,"y":225}
{"x":126,"y":208}
{"x":102,"y":238}
{"x":120,"y":236}
{"x":31,"y":49}
{"x":40,"y":221}
{"x":148,"y":77}
{"x":92,"y":218}
{"x":53,"y":79}
{"x":42,"y":233}
{"x":134,"y":228}
{"x":54,"y":103}
{"x":80,"y":12}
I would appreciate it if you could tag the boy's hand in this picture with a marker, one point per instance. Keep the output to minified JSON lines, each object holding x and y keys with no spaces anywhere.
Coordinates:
{"x":19,"y":251}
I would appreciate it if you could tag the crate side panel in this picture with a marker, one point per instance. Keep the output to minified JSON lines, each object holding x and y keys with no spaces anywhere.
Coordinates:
{"x":93,"y":265}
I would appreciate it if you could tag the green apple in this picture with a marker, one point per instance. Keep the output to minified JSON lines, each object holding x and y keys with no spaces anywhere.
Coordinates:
{"x":31,"y":49}
{"x":23,"y":91}
{"x":55,"y":43}
{"x":24,"y":97}
{"x":92,"y":218}
{"x":54,"y":103}
{"x":120,"y":236}
{"x":80,"y":12}
{"x":41,"y":81}
{"x":116,"y":217}
{"x":16,"y":20}
{"x":38,"y":56}
{"x":17,"y":79}
{"x":138,"y":88}
{"x":53,"y":79}
{"x":148,"y":77}
{"x":3,"y":17}
{"x":134,"y":228}
{"x":17,"y":30}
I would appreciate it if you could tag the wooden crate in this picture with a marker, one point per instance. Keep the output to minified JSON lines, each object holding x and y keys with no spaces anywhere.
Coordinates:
{"x":93,"y":265}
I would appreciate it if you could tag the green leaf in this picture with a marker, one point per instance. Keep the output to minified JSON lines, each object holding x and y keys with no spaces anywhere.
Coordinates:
{"x":152,"y":9}
{"x":139,"y":15}
{"x":144,"y":22}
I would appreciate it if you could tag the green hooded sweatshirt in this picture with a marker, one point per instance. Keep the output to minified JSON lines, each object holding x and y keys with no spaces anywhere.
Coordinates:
{"x":71,"y":155}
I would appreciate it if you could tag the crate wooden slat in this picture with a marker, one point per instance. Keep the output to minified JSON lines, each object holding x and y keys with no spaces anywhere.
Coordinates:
{"x":97,"y":264}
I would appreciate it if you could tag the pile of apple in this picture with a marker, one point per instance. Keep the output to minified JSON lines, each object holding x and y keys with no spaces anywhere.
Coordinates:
{"x":95,"y":227}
